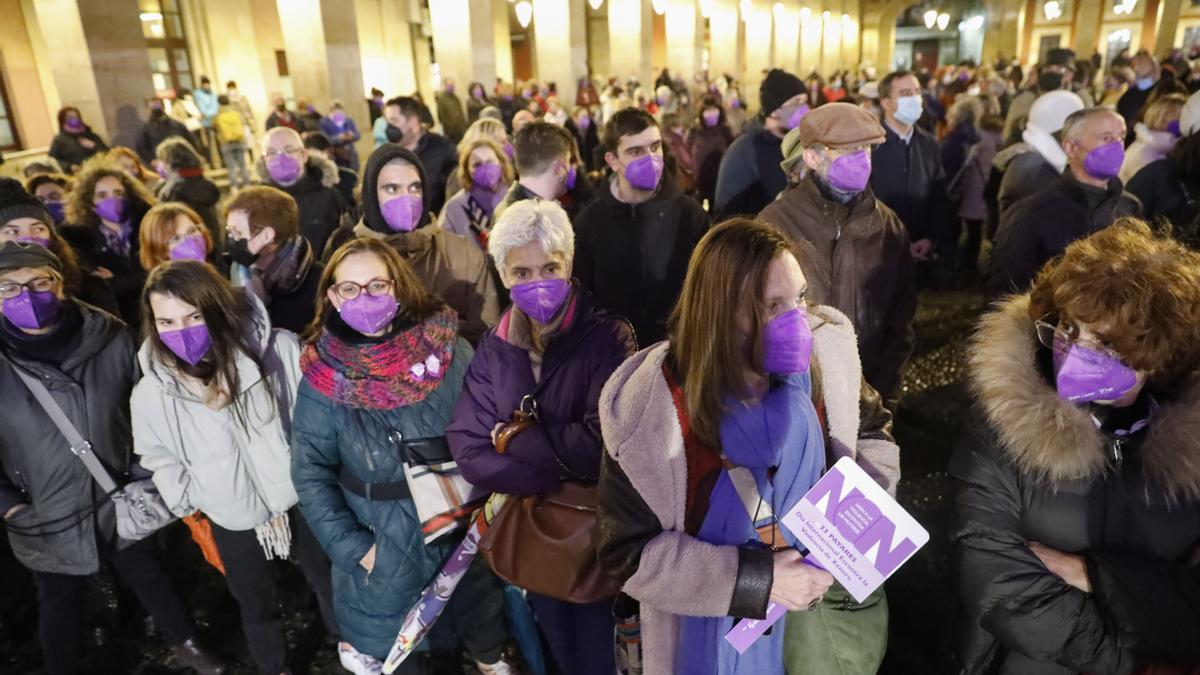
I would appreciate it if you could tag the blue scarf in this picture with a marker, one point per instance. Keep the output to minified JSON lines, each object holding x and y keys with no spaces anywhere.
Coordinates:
{"x":781,"y":431}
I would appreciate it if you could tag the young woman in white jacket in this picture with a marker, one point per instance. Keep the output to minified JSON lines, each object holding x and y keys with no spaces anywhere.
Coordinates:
{"x":212,"y":418}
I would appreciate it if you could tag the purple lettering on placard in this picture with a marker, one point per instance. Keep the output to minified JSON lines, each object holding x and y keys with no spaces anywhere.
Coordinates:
{"x":860,"y":521}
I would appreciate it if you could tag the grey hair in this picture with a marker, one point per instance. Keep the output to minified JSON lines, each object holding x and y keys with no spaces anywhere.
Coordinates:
{"x":1074,"y":122}
{"x":540,"y":220}
{"x":177,"y":153}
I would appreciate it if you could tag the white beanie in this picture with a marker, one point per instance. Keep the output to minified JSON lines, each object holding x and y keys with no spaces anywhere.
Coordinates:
{"x":1051,"y":109}
{"x":1189,"y":117}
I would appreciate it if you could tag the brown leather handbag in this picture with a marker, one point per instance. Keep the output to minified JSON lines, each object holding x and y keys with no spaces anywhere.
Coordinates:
{"x":543,"y":543}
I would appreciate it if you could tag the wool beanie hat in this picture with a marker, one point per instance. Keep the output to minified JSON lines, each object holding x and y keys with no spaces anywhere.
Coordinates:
{"x":1052,"y":108}
{"x":15,"y":203}
{"x":777,"y":88}
{"x":18,"y":254}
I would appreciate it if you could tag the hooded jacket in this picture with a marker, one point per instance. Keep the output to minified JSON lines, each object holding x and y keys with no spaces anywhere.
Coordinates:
{"x":317,"y":198}
{"x":58,"y":531}
{"x":857,"y":260}
{"x":449,"y":266}
{"x":633,"y":257}
{"x":1034,"y":467}
{"x":128,"y":275}
{"x":642,"y":538}
{"x":204,"y":459}
{"x":1041,"y":226}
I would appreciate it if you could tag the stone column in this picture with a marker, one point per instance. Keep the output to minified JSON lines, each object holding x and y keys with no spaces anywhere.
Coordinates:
{"x":502,"y":39}
{"x":757,"y":25}
{"x":99,"y":61}
{"x":463,"y":39}
{"x":226,"y":29}
{"x":629,"y":36}
{"x":1168,"y":24}
{"x":724,"y":35}
{"x":810,"y":37}
{"x":561,"y":48}
{"x":787,"y":37}
{"x":685,"y":36}
{"x":1085,"y":33}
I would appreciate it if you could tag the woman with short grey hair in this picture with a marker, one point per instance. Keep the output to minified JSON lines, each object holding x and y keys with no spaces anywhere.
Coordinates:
{"x":549,"y":356}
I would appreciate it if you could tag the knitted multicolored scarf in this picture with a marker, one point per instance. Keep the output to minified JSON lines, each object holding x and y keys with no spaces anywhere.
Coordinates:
{"x":400,"y":371}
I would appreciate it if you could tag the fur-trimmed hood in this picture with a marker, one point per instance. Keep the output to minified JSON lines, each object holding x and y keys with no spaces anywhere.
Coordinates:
{"x":317,"y":166}
{"x":1054,"y":440}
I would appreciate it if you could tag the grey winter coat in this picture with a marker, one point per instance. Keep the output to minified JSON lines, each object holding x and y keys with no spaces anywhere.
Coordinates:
{"x":203,"y":459}
{"x":57,"y":532}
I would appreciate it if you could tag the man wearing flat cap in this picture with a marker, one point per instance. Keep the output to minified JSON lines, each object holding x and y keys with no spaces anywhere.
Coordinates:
{"x":855,"y":250}
{"x":749,"y":177}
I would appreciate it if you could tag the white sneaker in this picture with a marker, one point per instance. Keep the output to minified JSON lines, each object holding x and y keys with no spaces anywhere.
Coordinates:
{"x":357,"y":662}
{"x":501,"y":667}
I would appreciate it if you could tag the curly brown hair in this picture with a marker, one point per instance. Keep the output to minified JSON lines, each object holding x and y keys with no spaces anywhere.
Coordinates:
{"x":80,"y":207}
{"x":1140,"y":291}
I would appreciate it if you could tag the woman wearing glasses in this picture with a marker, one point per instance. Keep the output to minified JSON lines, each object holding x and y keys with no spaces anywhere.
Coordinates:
{"x":212,"y":418}
{"x":1078,"y":523}
{"x":383,"y":368}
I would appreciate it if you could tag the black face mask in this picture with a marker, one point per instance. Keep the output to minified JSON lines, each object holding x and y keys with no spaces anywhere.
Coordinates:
{"x":239,"y":251}
{"x":281,"y":107}
{"x":1049,"y":81}
{"x":394,"y":135}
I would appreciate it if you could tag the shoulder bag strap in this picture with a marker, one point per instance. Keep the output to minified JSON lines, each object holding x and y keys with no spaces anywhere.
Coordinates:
{"x":79,"y":447}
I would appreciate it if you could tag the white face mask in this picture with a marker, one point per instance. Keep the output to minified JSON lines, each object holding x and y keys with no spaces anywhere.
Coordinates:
{"x":908,"y":109}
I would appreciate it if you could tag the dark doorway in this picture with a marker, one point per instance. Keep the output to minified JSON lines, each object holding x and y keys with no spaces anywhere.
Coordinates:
{"x":925,"y":55}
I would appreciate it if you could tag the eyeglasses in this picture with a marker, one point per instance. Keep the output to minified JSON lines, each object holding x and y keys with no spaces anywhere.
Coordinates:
{"x":1066,"y":333}
{"x":349,"y":290}
{"x":10,"y":290}
{"x":290,"y":150}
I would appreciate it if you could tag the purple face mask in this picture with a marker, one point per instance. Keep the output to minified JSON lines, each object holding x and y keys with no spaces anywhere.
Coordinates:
{"x":189,"y":344}
{"x":111,"y":209}
{"x":32,"y":310}
{"x":338,"y":117}
{"x":734,"y":103}
{"x":1173,"y":128}
{"x":787,"y":343}
{"x":1083,"y":375}
{"x":572,"y":174}
{"x":798,"y":114}
{"x":711,"y":118}
{"x":541,"y":300}
{"x":368,"y":314}
{"x":403,"y":213}
{"x":486,"y":175}
{"x":850,"y":173}
{"x":58,"y":211}
{"x":192,"y":247}
{"x":41,"y":241}
{"x":161,"y":171}
{"x":644,"y":172}
{"x":284,"y":169}
{"x":508,"y":149}
{"x":1105,"y":161}
{"x":74,"y":124}
{"x":584,"y":122}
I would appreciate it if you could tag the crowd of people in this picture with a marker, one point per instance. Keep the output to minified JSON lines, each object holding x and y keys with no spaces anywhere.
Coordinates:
{"x":648,"y":310}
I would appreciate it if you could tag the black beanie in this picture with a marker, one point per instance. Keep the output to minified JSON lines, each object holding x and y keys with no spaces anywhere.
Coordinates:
{"x":777,"y":88}
{"x":18,"y":254}
{"x":371,"y":211}
{"x":15,"y":203}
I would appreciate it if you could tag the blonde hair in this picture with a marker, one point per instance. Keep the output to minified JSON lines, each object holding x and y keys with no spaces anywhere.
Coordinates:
{"x":484,"y":127}
{"x":464,"y":159}
{"x":1162,"y":112}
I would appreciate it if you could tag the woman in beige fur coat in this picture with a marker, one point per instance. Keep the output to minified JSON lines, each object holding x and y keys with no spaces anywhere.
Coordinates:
{"x":753,"y":384}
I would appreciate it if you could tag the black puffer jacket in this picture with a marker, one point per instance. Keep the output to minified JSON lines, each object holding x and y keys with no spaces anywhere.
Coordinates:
{"x":57,"y":532}
{"x":317,"y":197}
{"x":128,"y":276}
{"x":202,"y":195}
{"x":1036,"y":468}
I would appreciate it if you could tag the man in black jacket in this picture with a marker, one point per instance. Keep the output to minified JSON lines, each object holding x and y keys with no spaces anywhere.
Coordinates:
{"x":1086,"y":198}
{"x":310,"y":178}
{"x":749,"y":177}
{"x":907,"y":171}
{"x":1145,"y":76}
{"x":157,"y":129}
{"x":60,"y":524}
{"x":437,"y":154}
{"x":632,"y":244}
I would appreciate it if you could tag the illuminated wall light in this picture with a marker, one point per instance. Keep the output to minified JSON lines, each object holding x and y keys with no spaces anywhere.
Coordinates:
{"x":706,"y":8}
{"x":1052,"y":10}
{"x":1126,"y":7}
{"x":930,"y":18}
{"x":595,"y":4}
{"x":745,"y":7}
{"x":975,"y":22}
{"x":524,"y":13}
{"x":826,"y":16}
{"x":660,"y":6}
{"x":805,"y":14}
{"x":778,"y":9}
{"x":943,"y":20}
{"x":150,"y":16}
{"x":845,"y":19}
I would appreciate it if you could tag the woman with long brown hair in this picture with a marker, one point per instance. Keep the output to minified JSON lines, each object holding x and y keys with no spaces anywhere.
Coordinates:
{"x":383,"y":368}
{"x":212,"y":419}
{"x":757,"y":388}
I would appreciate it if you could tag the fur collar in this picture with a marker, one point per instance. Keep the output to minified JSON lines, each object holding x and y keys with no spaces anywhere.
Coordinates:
{"x":325,"y":168}
{"x":1056,"y":441}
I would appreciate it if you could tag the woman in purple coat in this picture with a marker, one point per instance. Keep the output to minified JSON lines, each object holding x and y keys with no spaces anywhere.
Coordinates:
{"x":552,"y":345}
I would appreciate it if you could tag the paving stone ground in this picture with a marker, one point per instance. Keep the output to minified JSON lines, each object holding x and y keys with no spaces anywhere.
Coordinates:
{"x":932,"y":404}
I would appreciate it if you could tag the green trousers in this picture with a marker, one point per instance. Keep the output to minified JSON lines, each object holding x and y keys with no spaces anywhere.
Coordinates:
{"x":839,"y":637}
